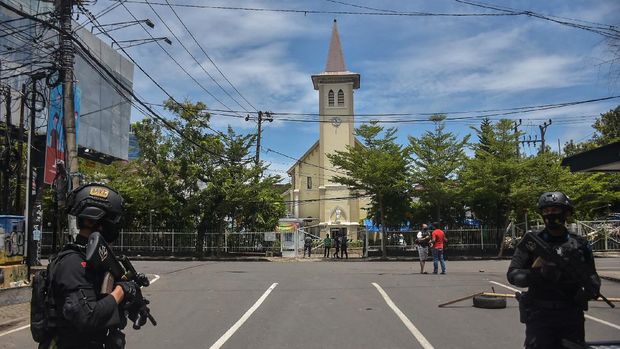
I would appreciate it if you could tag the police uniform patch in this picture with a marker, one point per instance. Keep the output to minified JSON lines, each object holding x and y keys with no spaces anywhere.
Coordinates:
{"x":99,"y":192}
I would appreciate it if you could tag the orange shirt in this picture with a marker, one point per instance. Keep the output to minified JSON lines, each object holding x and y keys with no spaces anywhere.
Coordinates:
{"x":439,"y":237}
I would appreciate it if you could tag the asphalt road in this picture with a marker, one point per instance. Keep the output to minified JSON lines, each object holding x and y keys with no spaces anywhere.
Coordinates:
{"x":332,"y":305}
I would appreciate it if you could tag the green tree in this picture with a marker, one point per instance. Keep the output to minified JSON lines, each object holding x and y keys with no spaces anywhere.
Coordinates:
{"x":487,"y":178}
{"x":437,"y":158}
{"x":377,"y":169}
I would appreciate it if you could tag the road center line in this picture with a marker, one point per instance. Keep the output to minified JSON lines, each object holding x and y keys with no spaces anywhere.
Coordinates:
{"x":157,"y":277}
{"x":243,"y":319}
{"x":410,"y":326}
{"x":601,"y":321}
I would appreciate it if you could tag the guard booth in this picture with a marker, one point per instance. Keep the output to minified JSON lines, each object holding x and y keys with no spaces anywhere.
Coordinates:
{"x":291,"y":236}
{"x":12,"y":251}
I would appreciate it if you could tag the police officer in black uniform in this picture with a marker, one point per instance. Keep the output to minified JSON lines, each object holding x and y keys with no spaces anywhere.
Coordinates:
{"x":86,"y":318}
{"x":552,"y":308}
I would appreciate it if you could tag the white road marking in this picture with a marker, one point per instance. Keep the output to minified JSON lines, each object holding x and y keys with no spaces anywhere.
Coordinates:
{"x":14,"y":330}
{"x":157,"y":277}
{"x":414,"y":330}
{"x":243,"y":319}
{"x":601,"y":321}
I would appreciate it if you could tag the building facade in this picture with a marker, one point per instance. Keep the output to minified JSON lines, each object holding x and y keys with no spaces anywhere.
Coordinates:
{"x":326,"y":206}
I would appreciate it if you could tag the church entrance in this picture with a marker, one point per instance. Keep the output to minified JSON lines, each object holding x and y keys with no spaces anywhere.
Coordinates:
{"x":337,"y":232}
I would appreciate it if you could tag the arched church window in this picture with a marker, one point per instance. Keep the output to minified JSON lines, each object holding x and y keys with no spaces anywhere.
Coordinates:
{"x":330,"y":98}
{"x":340,"y":98}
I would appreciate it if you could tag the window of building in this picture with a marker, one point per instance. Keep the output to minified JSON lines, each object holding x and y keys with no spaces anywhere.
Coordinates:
{"x":309,"y":182}
{"x":340,"y":98}
{"x":330,"y":98}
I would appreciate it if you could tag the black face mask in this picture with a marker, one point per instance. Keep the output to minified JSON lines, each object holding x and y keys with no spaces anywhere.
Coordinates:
{"x":554,"y":220}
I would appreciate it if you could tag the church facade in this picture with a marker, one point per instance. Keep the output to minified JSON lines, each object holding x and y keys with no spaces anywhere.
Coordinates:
{"x":326,"y":206}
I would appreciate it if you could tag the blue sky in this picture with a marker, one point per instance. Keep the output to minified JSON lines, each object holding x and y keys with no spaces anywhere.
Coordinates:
{"x":407,"y":64}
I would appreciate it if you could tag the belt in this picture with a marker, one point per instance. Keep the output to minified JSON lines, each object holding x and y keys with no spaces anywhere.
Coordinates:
{"x":552,"y":305}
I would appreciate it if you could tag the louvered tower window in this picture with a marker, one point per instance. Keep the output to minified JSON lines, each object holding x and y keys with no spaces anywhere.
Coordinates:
{"x":330,"y":98}
{"x":340,"y":98}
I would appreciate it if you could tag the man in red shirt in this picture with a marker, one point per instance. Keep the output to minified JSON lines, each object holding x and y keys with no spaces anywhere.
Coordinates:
{"x":439,"y":238}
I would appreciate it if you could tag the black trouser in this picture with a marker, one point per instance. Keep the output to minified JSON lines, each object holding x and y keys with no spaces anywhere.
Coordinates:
{"x":336,"y":254}
{"x":326,"y":252}
{"x":546,"y":328}
{"x":309,"y":249}
{"x":344,"y":252}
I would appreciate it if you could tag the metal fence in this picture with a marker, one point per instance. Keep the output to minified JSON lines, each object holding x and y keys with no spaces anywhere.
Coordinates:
{"x":479,"y":242}
{"x":176,"y":243}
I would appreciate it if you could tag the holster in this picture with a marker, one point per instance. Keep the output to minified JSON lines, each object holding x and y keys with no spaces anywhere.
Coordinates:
{"x":524,"y":306}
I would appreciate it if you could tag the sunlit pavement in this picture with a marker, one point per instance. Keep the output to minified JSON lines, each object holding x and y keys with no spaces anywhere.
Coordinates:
{"x":334,"y":305}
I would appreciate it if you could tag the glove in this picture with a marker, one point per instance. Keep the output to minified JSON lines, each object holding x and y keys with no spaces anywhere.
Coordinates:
{"x":133,"y":295}
{"x":550,"y":272}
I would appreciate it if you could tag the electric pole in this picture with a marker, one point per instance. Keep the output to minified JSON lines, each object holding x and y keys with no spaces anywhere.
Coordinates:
{"x":262,"y":116}
{"x":516,"y":127}
{"x":67,"y":61}
{"x":543,"y":130}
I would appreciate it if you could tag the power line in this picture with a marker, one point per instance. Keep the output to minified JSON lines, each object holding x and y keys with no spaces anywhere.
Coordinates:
{"x":209,"y":57}
{"x":309,"y":11}
{"x":111,"y":75}
{"x":191,"y":55}
{"x":605,"y":30}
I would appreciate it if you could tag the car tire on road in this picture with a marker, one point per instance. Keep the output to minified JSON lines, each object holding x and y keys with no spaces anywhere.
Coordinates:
{"x":489,"y":302}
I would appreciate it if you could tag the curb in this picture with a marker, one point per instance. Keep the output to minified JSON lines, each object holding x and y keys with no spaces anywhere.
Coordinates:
{"x":15,"y":295}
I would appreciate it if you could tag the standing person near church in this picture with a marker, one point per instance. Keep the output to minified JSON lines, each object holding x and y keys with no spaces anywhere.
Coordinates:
{"x":423,"y":242}
{"x":438,"y":239}
{"x":307,"y":245}
{"x":337,"y":246}
{"x":343,"y":247}
{"x":327,"y":243}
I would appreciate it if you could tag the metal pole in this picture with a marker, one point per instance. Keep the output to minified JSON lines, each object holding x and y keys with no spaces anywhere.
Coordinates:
{"x":20,"y":149}
{"x":6,"y":181}
{"x":481,"y":238}
{"x":173,"y":233}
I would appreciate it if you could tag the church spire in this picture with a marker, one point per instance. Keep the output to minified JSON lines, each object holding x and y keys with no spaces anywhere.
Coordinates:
{"x":335,"y":58}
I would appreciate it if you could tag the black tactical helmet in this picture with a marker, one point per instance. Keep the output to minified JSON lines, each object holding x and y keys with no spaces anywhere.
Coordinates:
{"x":99,"y":203}
{"x":555,"y":198}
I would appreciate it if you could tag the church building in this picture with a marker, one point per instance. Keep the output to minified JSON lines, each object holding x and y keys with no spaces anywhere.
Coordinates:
{"x":327,"y":206}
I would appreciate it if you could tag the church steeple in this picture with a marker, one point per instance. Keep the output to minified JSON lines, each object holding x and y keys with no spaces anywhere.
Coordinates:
{"x":335,"y":58}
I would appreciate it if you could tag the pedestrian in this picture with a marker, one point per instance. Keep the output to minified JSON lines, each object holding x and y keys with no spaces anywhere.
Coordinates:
{"x":80,"y":316}
{"x":423,"y":242}
{"x":327,"y":244}
{"x":438,"y":239}
{"x":307,"y":245}
{"x":343,"y":248}
{"x":552,"y":308}
{"x":337,"y":243}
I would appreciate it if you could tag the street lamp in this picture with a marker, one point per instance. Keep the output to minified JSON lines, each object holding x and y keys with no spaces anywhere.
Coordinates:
{"x":151,"y":220}
{"x":136,"y":42}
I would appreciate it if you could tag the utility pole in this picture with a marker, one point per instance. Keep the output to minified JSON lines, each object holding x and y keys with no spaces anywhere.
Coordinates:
{"x":67,"y":61}
{"x":516,"y":127}
{"x":6,"y":173}
{"x":65,"y":8}
{"x":543,"y":130}
{"x":34,"y":192}
{"x":262,"y":116}
{"x":20,"y":149}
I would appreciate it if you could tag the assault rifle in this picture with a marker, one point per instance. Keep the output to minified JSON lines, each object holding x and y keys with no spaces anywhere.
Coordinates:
{"x":568,"y":261}
{"x":100,"y":255}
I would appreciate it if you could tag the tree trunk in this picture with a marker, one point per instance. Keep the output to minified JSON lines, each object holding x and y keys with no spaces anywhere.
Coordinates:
{"x":200,"y":238}
{"x":383,"y":247}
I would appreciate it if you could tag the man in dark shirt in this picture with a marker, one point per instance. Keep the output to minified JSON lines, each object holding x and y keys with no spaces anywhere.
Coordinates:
{"x":86,"y":317}
{"x":552,"y":308}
